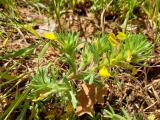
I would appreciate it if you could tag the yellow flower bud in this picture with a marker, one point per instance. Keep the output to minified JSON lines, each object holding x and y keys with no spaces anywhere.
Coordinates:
{"x":50,"y":36}
{"x":103,"y":72}
{"x":129,"y":56}
{"x":112,"y":39}
{"x":121,"y":36}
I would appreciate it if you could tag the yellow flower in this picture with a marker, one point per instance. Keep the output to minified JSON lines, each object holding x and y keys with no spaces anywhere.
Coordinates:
{"x":103,"y":72}
{"x":50,"y":36}
{"x":112,"y":39}
{"x":121,"y":36}
{"x":129,"y":56}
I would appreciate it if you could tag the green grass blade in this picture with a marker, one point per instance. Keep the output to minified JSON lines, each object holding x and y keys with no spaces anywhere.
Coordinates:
{"x":20,"y":53}
{"x":23,"y":112}
{"x":7,"y":76}
{"x":43,"y":51}
{"x":127,"y":116}
{"x":14,"y":104}
{"x":73,"y":99}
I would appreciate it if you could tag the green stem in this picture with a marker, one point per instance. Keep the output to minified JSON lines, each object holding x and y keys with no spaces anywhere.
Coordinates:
{"x":124,"y":25}
{"x":57,"y":11}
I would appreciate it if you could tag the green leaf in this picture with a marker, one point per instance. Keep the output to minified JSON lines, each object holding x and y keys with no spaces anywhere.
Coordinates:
{"x":66,"y":81}
{"x":151,"y":117}
{"x":119,"y":117}
{"x":126,"y":114}
{"x":43,"y":51}
{"x":7,"y":76}
{"x":23,"y":111}
{"x":73,"y":99}
{"x":107,"y":114}
{"x":111,"y":109}
{"x":20,"y":53}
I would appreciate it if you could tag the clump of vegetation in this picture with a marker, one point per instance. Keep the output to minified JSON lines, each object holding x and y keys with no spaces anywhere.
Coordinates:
{"x":94,"y":65}
{"x":63,"y":74}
